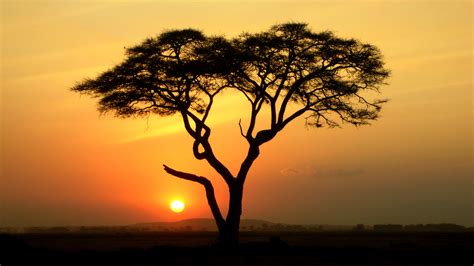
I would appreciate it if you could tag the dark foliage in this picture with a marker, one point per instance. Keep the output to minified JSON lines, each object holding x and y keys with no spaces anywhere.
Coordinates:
{"x":182,"y":71}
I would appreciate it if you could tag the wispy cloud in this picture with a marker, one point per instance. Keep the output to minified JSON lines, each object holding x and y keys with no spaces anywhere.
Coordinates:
{"x":321,"y":172}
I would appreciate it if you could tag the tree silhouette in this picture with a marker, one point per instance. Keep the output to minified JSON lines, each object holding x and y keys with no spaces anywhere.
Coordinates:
{"x":182,"y":71}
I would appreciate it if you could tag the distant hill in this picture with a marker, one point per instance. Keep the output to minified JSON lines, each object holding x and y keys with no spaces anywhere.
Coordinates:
{"x":207,"y":224}
{"x":201,"y":224}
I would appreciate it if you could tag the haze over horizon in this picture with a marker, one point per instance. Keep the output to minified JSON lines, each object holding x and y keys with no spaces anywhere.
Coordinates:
{"x":62,"y":163}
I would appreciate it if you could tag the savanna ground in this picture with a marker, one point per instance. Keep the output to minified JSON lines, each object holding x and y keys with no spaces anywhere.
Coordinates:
{"x":257,"y":248}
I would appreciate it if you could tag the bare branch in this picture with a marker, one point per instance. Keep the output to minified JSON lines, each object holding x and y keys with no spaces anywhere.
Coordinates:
{"x":199,"y":155}
{"x":241,"y":130}
{"x":202,"y":140}
{"x":211,"y":198}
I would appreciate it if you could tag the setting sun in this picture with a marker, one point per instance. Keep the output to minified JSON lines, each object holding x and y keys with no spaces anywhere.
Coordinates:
{"x":177,"y":206}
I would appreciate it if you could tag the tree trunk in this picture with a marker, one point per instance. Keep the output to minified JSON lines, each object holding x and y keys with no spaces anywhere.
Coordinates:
{"x":229,"y":234}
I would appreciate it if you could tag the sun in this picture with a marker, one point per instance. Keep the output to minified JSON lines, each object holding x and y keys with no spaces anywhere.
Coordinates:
{"x":177,"y":206}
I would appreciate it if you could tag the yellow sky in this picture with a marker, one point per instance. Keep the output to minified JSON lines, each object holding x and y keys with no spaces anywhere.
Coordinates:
{"x":63,"y":163}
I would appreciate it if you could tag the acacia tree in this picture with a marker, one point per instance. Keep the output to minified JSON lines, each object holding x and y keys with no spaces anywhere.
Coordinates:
{"x":322,"y":77}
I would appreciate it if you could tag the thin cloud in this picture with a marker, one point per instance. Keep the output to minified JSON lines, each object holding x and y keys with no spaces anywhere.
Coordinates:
{"x":321,"y":172}
{"x":289,"y":172}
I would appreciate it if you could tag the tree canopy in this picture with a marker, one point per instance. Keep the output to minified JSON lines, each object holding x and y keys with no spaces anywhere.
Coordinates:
{"x":181,"y":71}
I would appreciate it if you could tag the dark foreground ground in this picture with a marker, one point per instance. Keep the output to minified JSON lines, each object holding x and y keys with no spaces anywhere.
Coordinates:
{"x":257,"y":248}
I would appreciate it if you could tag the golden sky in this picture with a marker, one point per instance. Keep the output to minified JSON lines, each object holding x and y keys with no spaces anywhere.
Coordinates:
{"x":64,"y":164}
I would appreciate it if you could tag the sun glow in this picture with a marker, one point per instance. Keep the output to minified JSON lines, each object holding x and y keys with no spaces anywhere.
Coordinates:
{"x":177,"y":206}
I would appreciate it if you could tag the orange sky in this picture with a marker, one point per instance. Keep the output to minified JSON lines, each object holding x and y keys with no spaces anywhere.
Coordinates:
{"x":64,"y":164}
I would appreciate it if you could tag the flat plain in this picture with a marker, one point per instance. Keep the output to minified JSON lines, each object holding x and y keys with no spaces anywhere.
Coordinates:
{"x":257,"y":248}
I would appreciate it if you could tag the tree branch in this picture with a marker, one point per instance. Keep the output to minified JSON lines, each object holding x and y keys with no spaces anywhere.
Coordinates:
{"x":199,"y":155}
{"x":241,"y":130}
{"x":211,"y":198}
{"x":294,"y":87}
{"x":252,"y":155}
{"x":253,"y":118}
{"x":203,"y":140}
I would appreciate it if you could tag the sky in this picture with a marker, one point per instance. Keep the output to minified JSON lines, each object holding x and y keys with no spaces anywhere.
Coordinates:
{"x":62,"y":163}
